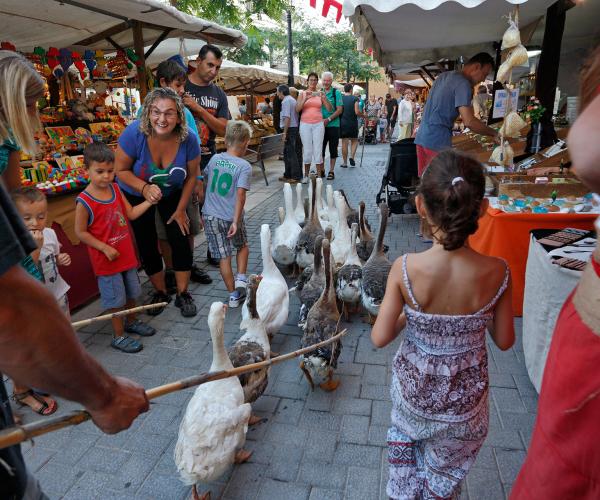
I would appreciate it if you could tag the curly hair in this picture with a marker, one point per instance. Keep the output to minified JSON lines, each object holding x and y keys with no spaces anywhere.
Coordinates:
{"x":181,"y":129}
{"x":452,"y":189}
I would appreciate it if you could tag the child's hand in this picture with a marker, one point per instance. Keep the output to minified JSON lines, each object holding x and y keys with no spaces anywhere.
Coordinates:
{"x":232,"y":230}
{"x":110,"y":252}
{"x":38,"y":237}
{"x":63,"y":259}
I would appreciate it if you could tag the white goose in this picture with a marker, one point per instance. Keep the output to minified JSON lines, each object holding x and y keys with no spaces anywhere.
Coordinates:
{"x":272,"y":296}
{"x":349,"y":278}
{"x":213,"y":430}
{"x":299,"y":210}
{"x":340,"y":246}
{"x":321,"y":205}
{"x":331,"y":209}
{"x":286,"y":235}
{"x":324,"y":223}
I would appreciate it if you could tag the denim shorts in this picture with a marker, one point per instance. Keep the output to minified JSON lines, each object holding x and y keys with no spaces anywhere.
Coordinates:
{"x":116,"y":289}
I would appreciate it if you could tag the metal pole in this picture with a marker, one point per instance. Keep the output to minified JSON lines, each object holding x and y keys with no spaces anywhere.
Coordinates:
{"x":348,"y":70}
{"x":288,"y":14}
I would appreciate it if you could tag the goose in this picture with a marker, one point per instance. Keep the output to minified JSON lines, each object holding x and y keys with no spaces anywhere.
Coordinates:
{"x":310,"y":291}
{"x":331,"y":209}
{"x":321,"y":206}
{"x":281,"y":215}
{"x":323,"y":222}
{"x":321,"y":324}
{"x":312,"y":229}
{"x":351,"y":214}
{"x":213,"y":430}
{"x":349,"y":278}
{"x":340,"y":246}
{"x":252,"y":347}
{"x":375,"y":271}
{"x":366,"y":242}
{"x":286,"y":234}
{"x":272,"y":296}
{"x":299,"y":210}
{"x":307,"y":271}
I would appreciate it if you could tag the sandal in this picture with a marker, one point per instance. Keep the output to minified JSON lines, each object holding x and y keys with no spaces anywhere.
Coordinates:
{"x":45,"y":408}
{"x":330,"y":176}
{"x":126,"y":344}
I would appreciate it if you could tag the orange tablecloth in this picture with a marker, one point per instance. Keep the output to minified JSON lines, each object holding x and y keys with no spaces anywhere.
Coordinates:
{"x":507,"y":235}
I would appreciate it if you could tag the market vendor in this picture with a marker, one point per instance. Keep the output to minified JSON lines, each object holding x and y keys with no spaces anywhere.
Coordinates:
{"x":157,"y":160}
{"x":208,"y":103}
{"x":450,"y":96}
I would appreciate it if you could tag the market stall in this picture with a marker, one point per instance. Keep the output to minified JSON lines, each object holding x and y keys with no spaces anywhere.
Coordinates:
{"x":98,"y":55}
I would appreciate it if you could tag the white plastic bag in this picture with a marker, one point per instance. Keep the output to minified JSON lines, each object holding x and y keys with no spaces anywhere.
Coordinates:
{"x":517,"y":57}
{"x":513,"y":123}
{"x":511,"y":37}
{"x":503,"y":155}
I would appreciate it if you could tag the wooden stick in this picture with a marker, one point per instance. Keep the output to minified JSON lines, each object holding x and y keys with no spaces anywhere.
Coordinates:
{"x":19,"y":433}
{"x":105,"y":317}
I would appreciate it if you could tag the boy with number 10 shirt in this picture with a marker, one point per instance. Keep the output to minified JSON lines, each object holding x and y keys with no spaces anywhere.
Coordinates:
{"x":228,"y":180}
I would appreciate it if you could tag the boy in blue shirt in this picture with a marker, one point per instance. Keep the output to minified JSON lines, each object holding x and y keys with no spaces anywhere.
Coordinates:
{"x":228,"y":180}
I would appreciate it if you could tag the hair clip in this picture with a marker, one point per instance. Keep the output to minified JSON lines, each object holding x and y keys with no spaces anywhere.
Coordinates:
{"x":456,"y":180}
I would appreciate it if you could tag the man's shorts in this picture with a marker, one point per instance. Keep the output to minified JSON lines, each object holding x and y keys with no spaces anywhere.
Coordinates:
{"x":219,"y":244}
{"x":193,"y":213}
{"x":116,"y":289}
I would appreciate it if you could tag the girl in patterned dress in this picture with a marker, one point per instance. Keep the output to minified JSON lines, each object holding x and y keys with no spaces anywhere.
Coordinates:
{"x":443,"y":299}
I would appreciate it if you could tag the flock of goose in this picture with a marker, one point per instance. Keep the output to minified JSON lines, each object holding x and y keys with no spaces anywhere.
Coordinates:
{"x":339,"y":266}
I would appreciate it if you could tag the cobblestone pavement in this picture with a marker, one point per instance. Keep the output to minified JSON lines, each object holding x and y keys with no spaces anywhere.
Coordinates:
{"x":313,"y":445}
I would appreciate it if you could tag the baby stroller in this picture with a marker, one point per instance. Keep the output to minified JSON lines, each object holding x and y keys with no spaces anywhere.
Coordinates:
{"x":399,"y":183}
{"x":370,"y":131}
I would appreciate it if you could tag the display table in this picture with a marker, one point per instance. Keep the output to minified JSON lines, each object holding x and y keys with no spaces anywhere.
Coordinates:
{"x":79,"y":275}
{"x":507,"y":235}
{"x":547,"y":286}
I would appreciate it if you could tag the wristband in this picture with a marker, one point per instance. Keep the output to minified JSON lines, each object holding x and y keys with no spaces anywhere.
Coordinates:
{"x":199,"y":177}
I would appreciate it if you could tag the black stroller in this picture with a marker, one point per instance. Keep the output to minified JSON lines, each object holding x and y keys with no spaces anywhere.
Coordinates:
{"x":399,"y":183}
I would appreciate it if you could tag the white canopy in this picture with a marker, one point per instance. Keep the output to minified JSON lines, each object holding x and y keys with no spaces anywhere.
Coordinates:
{"x":408,"y":31}
{"x":72,"y":23}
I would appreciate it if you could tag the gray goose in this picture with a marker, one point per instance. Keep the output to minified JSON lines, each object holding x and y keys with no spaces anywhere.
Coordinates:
{"x":349,"y":277}
{"x":311,"y":229}
{"x":364,"y":247}
{"x":307,"y":271}
{"x":376,"y":269}
{"x":351,"y":214}
{"x":310,"y":291}
{"x":252,"y":347}
{"x":321,"y":324}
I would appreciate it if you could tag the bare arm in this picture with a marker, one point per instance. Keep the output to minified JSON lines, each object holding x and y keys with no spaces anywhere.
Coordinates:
{"x":502,"y":328}
{"x":46,"y":353}
{"x":240,"y":201}
{"x":326,"y":103}
{"x":391,"y":319}
{"x":217,"y":125}
{"x":584,"y":147}
{"x":338,"y":111}
{"x":470,"y":120}
{"x":300,"y":102}
{"x":133,"y":213}
{"x":357,"y":111}
{"x":12,"y":174}
{"x":123,"y":166}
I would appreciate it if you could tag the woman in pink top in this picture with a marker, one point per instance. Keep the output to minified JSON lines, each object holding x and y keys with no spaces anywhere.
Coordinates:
{"x":312,"y":127}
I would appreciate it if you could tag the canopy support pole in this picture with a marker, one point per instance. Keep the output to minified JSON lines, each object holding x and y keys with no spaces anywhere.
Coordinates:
{"x":138,"y":46}
{"x":158,"y":41}
{"x":547,"y":71}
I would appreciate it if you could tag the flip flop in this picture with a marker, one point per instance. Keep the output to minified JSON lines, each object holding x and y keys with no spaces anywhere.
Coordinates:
{"x":45,"y":408}
{"x":126,"y":344}
{"x":330,"y":176}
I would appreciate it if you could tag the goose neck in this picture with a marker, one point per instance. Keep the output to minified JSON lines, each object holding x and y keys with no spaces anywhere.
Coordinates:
{"x":265,"y":248}
{"x":220,"y":359}
{"x":289,"y":204}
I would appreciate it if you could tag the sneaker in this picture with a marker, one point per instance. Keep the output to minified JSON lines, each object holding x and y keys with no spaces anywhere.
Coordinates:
{"x":155,"y":299}
{"x":304,"y":180}
{"x":140,"y":328}
{"x":352,"y":162}
{"x":235,"y":299}
{"x":126,"y":344}
{"x":343,"y":166}
{"x":170,"y":282}
{"x":199,"y":276}
{"x":240,"y":284}
{"x":210,"y":260}
{"x":185,"y":302}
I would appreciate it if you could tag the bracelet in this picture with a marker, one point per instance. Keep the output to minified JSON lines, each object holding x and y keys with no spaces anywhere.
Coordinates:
{"x":145,"y":186}
{"x":199,"y":177}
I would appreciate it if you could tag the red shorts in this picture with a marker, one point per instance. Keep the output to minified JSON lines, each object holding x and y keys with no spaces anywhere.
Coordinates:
{"x":424,"y":157}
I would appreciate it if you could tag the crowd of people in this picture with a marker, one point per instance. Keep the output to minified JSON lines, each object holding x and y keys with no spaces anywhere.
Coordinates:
{"x":166,"y":171}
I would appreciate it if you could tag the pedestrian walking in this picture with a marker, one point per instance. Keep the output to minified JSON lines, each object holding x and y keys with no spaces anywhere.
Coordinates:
{"x":331,"y":120}
{"x":289,"y":126}
{"x":349,"y":126}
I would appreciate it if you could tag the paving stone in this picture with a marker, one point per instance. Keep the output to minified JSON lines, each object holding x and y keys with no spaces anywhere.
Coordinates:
{"x":359,"y":455}
{"x":325,"y":494}
{"x":352,"y":406}
{"x":355,"y":429}
{"x":320,"y":420}
{"x":381,"y":413}
{"x":56,"y":478}
{"x":276,"y":489}
{"x":323,"y":475}
{"x":502,"y":380}
{"x":349,"y":387}
{"x":90,"y":485}
{"x":287,"y":434}
{"x":485,"y":459}
{"x":289,"y":411}
{"x":509,"y":464}
{"x":167,"y":487}
{"x":508,"y":400}
{"x":484,"y":484}
{"x":375,"y":374}
{"x":509,"y":439}
{"x":37,"y":457}
{"x":370,"y":391}
{"x":377,"y":435}
{"x":362,"y":483}
{"x":98,"y":459}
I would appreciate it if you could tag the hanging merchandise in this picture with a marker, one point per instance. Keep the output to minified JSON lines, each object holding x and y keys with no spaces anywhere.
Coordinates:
{"x":503,"y":154}
{"x":511,"y":37}
{"x":101,"y":70}
{"x":53,"y":62}
{"x":134,"y":58}
{"x":90,"y":61}
{"x":7,"y":46}
{"x":79,"y":64}
{"x":118,"y":66}
{"x":41,"y":54}
{"x":65,"y":59}
{"x":513,"y":123}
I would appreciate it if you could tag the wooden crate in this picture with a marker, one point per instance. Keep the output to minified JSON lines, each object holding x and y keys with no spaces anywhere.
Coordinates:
{"x":523,"y":185}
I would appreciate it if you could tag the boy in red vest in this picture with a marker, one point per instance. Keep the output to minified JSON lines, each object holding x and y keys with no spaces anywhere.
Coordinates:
{"x":101,"y":222}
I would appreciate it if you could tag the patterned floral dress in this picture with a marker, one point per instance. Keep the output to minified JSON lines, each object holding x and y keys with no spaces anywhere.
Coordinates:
{"x":439,"y":395}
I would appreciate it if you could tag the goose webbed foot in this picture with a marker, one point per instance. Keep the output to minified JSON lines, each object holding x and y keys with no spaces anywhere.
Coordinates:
{"x":195,"y":496}
{"x":330,"y":385}
{"x":242,"y":456}
{"x":307,"y":375}
{"x":255,"y":419}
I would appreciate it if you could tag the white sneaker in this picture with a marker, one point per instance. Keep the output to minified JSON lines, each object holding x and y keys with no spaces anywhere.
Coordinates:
{"x":236,"y":301}
{"x":240,"y":285}
{"x":304,"y":180}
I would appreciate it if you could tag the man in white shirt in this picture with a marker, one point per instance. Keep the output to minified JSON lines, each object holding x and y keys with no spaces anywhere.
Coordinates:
{"x":405,"y":116}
